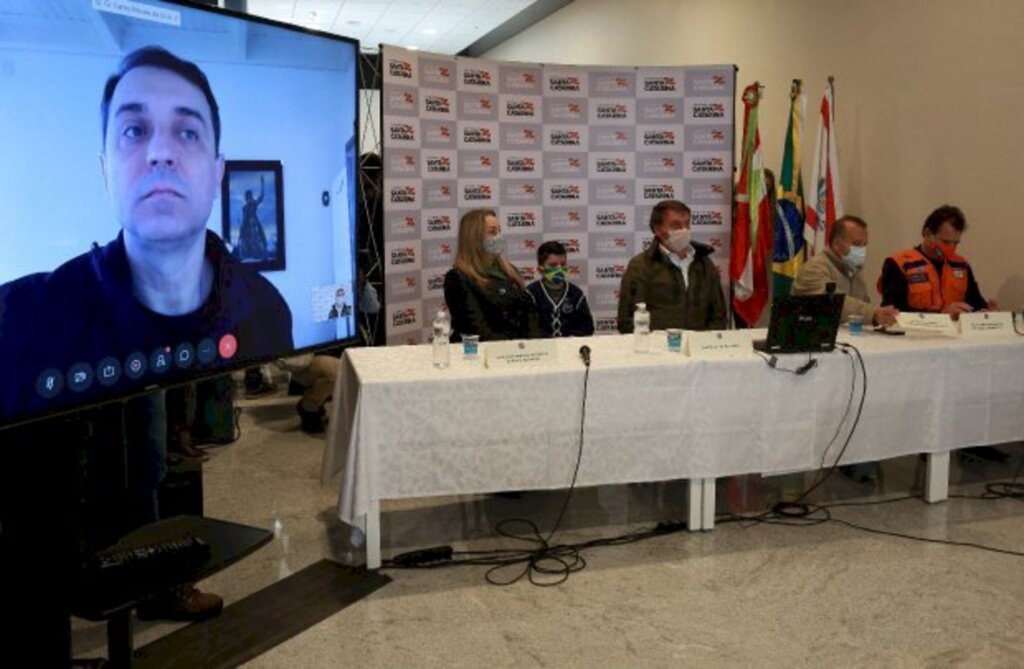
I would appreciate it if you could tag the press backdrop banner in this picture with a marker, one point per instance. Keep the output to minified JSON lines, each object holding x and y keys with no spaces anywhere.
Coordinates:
{"x":577,"y":154}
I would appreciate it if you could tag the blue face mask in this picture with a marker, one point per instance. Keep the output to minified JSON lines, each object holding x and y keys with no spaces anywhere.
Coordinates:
{"x":855,"y":257}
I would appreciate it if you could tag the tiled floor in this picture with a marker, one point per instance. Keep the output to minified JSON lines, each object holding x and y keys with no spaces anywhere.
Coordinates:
{"x":742,"y":595}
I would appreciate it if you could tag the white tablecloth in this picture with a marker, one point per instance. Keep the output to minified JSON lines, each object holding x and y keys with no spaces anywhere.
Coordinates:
{"x":402,"y":428}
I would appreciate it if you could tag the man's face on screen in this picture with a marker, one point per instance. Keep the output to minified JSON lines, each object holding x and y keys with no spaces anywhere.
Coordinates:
{"x":160,"y":161}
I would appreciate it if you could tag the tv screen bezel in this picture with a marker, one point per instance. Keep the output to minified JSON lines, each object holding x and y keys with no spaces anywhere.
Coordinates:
{"x":234,"y":365}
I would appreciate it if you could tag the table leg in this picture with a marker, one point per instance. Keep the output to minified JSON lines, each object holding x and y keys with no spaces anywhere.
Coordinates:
{"x":694,"y":488}
{"x":708,"y":504}
{"x":936,"y":477}
{"x":120,"y":645}
{"x":373,"y":535}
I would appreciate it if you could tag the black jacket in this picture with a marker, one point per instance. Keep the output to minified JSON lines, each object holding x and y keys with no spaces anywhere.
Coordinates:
{"x":567,"y":317}
{"x":501,"y":311}
{"x":698,"y":304}
{"x":85,"y":312}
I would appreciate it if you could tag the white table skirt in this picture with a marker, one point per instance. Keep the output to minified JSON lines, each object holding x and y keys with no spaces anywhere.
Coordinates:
{"x":402,"y":428}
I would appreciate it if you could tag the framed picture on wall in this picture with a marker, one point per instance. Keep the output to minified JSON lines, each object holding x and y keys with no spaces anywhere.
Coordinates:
{"x":252,"y":213}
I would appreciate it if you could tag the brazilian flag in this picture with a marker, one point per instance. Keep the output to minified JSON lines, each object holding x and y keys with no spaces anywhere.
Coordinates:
{"x":788,"y":253}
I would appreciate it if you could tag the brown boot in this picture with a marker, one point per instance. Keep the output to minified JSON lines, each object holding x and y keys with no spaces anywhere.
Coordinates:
{"x":179,"y":442}
{"x":185,"y":603}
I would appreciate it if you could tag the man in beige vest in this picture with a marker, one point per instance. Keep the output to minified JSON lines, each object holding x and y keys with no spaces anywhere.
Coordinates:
{"x":840,"y":264}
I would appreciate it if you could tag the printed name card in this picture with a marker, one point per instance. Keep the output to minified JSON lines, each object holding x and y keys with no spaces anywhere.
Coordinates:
{"x":520,"y":353}
{"x":986,"y":324}
{"x":719,"y":344}
{"x":918,"y":323}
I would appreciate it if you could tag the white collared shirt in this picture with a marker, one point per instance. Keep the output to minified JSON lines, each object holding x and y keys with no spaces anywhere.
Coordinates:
{"x":682,"y":263}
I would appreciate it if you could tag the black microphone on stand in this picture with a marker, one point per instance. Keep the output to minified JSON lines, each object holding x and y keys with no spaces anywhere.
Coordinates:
{"x":585,"y":354}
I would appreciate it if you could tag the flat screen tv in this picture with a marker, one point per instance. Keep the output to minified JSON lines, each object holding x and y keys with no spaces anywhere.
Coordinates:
{"x":177,"y":197}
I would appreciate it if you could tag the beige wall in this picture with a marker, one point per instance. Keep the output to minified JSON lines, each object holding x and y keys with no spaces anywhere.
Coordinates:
{"x":929,"y":95}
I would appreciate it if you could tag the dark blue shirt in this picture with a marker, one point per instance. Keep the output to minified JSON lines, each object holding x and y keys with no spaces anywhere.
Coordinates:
{"x":566,"y":316}
{"x":85,"y":311}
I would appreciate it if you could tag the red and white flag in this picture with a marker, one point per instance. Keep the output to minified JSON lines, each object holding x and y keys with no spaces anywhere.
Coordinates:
{"x":824,"y":202}
{"x":752,"y":229}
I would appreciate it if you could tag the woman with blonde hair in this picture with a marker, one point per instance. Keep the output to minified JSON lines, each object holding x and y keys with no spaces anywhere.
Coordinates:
{"x":484,"y":292}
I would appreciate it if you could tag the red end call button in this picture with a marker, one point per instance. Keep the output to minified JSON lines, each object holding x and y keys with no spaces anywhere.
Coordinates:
{"x":228,"y":346}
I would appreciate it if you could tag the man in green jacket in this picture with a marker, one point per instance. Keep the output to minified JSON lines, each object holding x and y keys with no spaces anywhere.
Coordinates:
{"x":675,"y":277}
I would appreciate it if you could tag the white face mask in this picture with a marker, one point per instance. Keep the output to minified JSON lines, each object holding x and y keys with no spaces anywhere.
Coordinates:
{"x":494,"y":245}
{"x":855,"y":257}
{"x":678,"y":240}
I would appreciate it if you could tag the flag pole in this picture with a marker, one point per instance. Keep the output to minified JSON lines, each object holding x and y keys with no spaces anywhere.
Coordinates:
{"x":796,"y":89}
{"x":832,"y":92}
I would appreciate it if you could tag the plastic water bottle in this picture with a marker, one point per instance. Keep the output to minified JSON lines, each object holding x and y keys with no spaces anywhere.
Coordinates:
{"x":641,"y":328}
{"x":442,"y":330}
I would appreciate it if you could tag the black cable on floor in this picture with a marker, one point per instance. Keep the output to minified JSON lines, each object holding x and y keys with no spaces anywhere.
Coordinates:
{"x":559,"y":561}
{"x":542,"y":563}
{"x":804,"y":515}
{"x":1013,"y":490}
{"x":562,"y":560}
{"x":797,"y":508}
{"x":820,"y":479}
{"x":929,"y":540}
{"x":1001,"y":489}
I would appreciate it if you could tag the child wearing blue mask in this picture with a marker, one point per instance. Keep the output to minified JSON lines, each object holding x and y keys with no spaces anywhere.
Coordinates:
{"x":562,"y":306}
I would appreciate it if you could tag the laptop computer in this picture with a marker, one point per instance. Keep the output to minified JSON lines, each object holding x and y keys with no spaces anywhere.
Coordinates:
{"x":803,"y":324}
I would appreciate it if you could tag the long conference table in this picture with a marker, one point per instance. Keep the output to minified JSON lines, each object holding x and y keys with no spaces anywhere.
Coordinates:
{"x":401,"y":428}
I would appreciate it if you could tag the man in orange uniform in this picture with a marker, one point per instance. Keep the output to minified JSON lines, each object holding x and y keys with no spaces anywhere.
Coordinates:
{"x":931,"y":276}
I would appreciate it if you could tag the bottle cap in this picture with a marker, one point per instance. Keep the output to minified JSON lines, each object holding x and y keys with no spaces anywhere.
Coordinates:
{"x":641,"y":305}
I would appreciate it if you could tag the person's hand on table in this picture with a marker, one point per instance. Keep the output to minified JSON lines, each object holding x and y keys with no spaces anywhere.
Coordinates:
{"x":886,"y":316}
{"x":957,"y":308}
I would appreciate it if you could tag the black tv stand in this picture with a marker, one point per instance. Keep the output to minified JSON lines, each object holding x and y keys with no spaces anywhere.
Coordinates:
{"x":114,"y":598}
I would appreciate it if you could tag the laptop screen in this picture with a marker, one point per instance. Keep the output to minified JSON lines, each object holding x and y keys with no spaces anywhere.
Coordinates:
{"x":804,"y":323}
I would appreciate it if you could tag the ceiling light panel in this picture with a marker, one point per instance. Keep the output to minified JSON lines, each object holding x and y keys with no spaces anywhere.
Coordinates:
{"x":457,"y":23}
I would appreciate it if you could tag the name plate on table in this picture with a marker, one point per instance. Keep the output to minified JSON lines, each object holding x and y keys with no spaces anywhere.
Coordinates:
{"x":918,"y":323}
{"x":518,"y":354}
{"x":985,"y":324}
{"x":718,"y":344}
